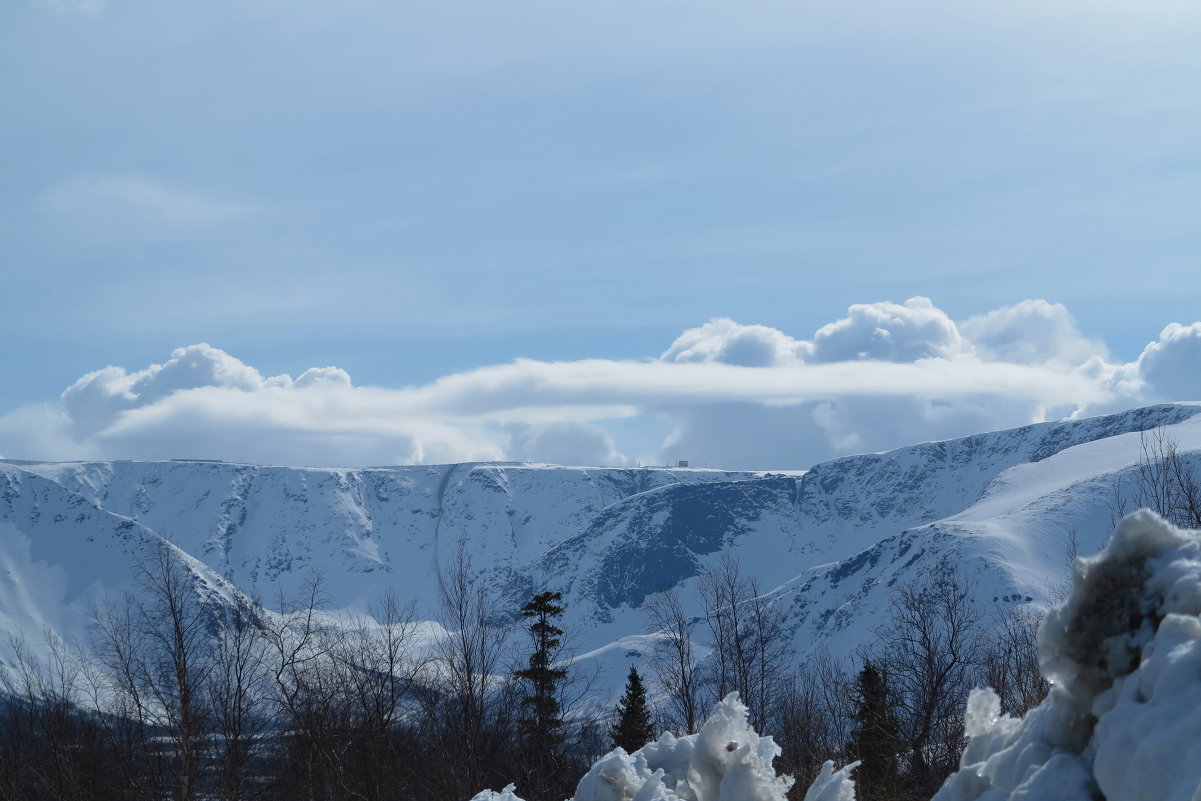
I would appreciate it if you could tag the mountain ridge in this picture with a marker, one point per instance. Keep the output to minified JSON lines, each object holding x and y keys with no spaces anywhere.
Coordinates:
{"x":831,"y":541}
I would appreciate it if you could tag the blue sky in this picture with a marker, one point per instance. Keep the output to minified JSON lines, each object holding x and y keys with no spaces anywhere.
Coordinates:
{"x":415,"y":192}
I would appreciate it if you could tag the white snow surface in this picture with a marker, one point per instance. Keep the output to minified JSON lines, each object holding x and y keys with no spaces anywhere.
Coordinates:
{"x":725,"y":761}
{"x":507,"y":794}
{"x":831,"y":544}
{"x":1122,"y":722}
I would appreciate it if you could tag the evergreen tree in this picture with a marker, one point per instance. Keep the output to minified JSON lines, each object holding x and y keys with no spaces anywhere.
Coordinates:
{"x":874,"y":740}
{"x":633,"y":728}
{"x":541,"y":721}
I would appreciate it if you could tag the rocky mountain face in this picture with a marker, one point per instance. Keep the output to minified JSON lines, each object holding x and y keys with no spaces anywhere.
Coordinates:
{"x":831,"y":542}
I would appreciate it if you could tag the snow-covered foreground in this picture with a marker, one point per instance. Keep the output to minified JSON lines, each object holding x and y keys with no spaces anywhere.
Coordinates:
{"x":1122,"y":722}
{"x":725,"y":761}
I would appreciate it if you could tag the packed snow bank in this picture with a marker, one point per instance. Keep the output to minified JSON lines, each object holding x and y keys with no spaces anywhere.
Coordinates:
{"x":725,"y":761}
{"x":506,"y":794}
{"x":1123,"y":721}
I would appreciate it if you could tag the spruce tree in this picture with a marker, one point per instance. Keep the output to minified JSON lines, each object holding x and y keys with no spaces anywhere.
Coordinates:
{"x":541,"y":721}
{"x":633,"y":728}
{"x":874,"y":740}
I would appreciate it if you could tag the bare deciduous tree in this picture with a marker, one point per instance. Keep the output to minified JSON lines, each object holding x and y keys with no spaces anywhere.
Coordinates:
{"x":673,"y":660}
{"x":239,"y":695}
{"x":157,"y":649}
{"x":931,"y":649}
{"x":470,"y":662}
{"x":47,"y":748}
{"x":306,"y":690}
{"x":1165,"y":480}
{"x":749,"y":646}
{"x":381,"y":669}
{"x":1010,"y":660}
{"x":812,"y":718}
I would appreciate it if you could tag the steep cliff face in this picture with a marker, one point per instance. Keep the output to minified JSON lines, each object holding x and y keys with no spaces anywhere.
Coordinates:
{"x":266,"y":528}
{"x":837,"y":539}
{"x":832,"y":541}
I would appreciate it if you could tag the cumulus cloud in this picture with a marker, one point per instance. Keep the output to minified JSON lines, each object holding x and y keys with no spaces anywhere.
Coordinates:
{"x":563,"y":442}
{"x":315,"y":376}
{"x":723,"y":340}
{"x":1171,"y":365}
{"x":97,"y":399}
{"x":204,"y":402}
{"x":889,"y":332}
{"x":42,"y":431}
{"x":1031,"y":332}
{"x":732,"y":395}
{"x":744,"y":436}
{"x":882,"y":331}
{"x":863,"y":424}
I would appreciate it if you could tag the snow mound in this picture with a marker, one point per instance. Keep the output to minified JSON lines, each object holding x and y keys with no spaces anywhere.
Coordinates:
{"x":725,"y":761}
{"x":507,"y":794}
{"x":1123,"y":721}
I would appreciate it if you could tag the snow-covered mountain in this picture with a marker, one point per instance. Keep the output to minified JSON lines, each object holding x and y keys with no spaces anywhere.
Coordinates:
{"x":831,"y":541}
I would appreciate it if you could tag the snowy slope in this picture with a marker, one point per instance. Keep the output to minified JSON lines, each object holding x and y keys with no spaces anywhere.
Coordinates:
{"x":1011,"y":542}
{"x":67,"y":530}
{"x":1121,"y":721}
{"x":834,"y":539}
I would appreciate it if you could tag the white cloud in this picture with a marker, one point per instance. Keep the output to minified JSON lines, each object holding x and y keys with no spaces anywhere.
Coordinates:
{"x":511,"y":391}
{"x":889,"y":332}
{"x":861,"y":424}
{"x":203,"y":402}
{"x":1031,"y":332}
{"x":744,"y":435}
{"x":98,"y":398}
{"x":41,"y":431}
{"x":870,"y":331}
{"x":1171,"y":365}
{"x":563,"y":442}
{"x":318,"y":375}
{"x":125,"y":205}
{"x":723,"y":340}
{"x":786,"y":413}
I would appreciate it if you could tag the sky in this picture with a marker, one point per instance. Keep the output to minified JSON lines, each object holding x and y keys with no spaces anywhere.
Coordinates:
{"x":751,"y":235}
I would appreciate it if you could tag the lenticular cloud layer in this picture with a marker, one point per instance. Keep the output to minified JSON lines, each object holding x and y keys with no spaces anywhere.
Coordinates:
{"x":724,"y":394}
{"x":1122,"y":721}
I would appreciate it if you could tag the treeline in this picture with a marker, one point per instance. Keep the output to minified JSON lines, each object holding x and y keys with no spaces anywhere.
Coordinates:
{"x":187,"y":696}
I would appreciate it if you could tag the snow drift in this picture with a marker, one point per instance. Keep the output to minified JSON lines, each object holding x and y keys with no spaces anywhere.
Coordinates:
{"x":1122,"y":721}
{"x":725,"y":761}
